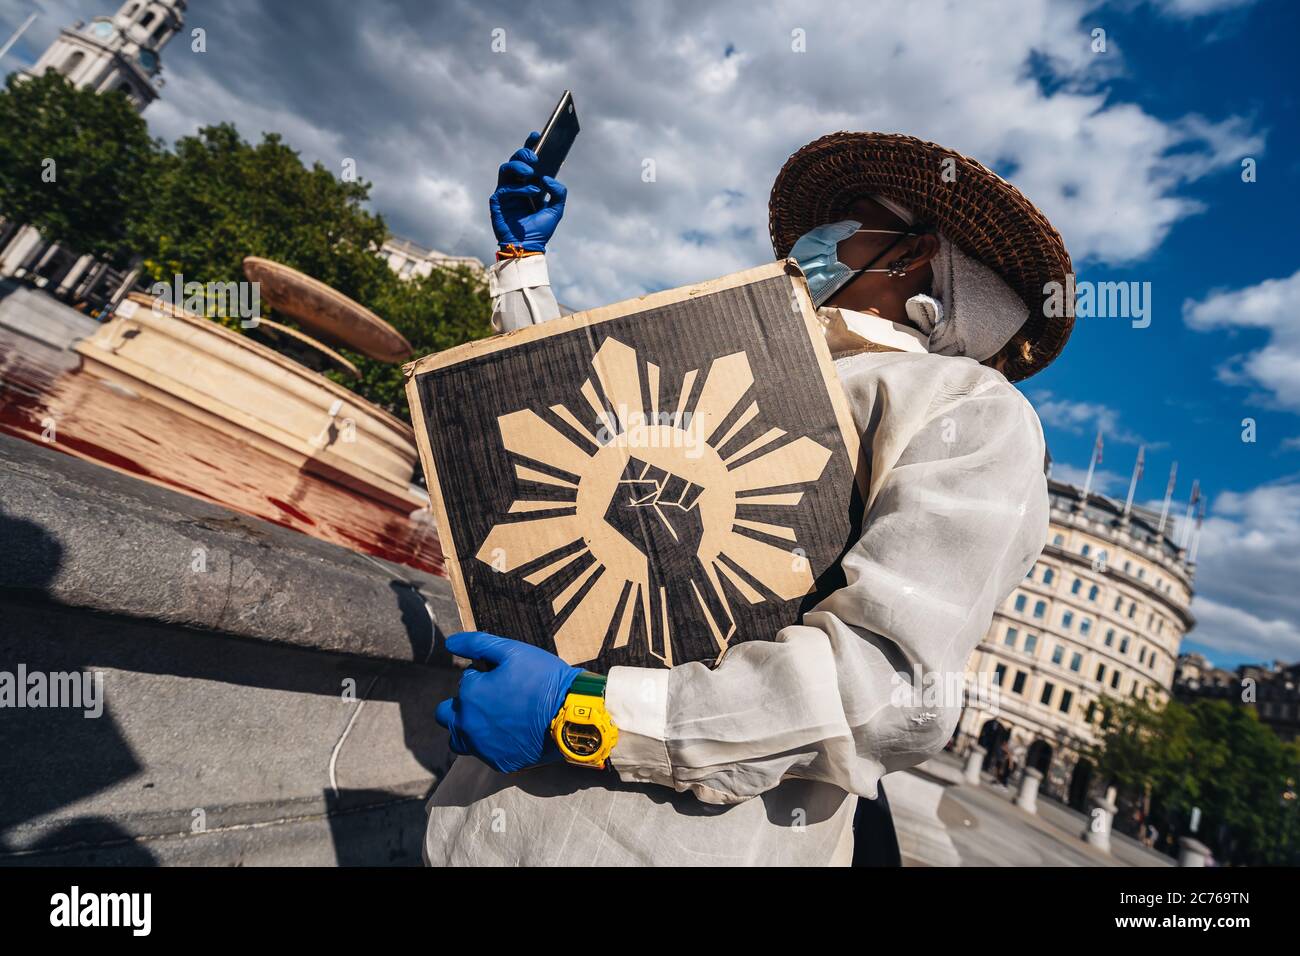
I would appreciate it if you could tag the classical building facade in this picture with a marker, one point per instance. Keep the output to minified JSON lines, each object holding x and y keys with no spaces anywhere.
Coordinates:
{"x":1101,"y":614}
{"x":120,"y":52}
{"x":409,"y":259}
{"x":111,"y":53}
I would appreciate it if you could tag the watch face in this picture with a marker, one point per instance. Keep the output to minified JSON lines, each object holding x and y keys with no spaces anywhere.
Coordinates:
{"x":584,"y":740}
{"x":103,"y":29}
{"x":148,"y":60}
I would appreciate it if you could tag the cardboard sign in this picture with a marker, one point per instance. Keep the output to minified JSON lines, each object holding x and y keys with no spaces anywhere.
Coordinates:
{"x":647,"y":483}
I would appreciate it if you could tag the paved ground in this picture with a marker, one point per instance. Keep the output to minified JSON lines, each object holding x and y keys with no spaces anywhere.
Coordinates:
{"x":943,"y":822}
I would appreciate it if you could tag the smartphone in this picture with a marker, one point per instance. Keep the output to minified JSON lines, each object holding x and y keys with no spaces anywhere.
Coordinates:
{"x":557,"y":136}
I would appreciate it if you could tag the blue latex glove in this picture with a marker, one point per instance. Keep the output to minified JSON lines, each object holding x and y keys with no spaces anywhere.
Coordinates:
{"x":514,"y":219}
{"x":503,"y":716}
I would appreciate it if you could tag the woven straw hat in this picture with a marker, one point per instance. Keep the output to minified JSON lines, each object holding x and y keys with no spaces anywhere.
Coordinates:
{"x":987,"y":217}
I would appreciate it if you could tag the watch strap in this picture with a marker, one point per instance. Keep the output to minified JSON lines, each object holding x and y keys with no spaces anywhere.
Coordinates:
{"x":589,"y":684}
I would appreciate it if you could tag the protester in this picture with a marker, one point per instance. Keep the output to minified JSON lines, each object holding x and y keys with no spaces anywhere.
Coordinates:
{"x":928,"y":271}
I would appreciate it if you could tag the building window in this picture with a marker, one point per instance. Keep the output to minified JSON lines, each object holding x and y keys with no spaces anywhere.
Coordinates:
{"x":1119,"y":603}
{"x":1142,"y":656}
{"x":1020,"y":602}
{"x":1086,"y":550}
{"x":1067,"y":620}
{"x":1132,"y":609}
{"x":1085,"y":626}
{"x":1040,"y":608}
{"x":1031,"y":642}
{"x":1046,"y":696}
{"x":1048,"y":575}
{"x":1123,"y":644}
{"x":1058,"y":654}
{"x":1076,"y":661}
{"x":1030,"y":575}
{"x":1058,"y":540}
{"x":999,"y":674}
{"x":1067,"y":698}
{"x":1010,"y":639}
{"x":1142,"y":573}
{"x":1114,"y":680}
{"x":1101,"y":673}
{"x":1128,"y":566}
{"x":1077,"y":586}
{"x":1092,"y":711}
{"x":1093,"y":592}
{"x":1018,"y":685}
{"x":1110,"y":637}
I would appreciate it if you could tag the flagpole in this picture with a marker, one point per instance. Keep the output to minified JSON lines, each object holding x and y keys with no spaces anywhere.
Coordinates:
{"x":1132,"y":485}
{"x":1092,"y":466}
{"x":1191,"y":507}
{"x":16,"y":34}
{"x":1169,"y":496}
{"x":1196,"y":538}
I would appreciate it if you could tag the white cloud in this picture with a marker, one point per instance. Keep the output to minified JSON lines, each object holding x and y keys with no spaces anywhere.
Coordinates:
{"x":1081,"y":417}
{"x":1247,"y":605}
{"x":1268,"y":306}
{"x":428,"y":111}
{"x":1104,"y":482}
{"x":1198,"y":8}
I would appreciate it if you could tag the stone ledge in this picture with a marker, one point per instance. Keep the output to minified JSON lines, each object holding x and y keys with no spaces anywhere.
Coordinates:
{"x":82,"y":536}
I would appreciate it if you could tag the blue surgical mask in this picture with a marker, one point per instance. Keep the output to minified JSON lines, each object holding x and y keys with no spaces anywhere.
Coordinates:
{"x":817,"y":253}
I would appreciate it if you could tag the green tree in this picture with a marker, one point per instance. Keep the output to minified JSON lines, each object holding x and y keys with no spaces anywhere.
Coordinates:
{"x":199,"y":209}
{"x":77,"y":165}
{"x":221,"y":198}
{"x":1213,"y":755}
{"x":434,"y":312}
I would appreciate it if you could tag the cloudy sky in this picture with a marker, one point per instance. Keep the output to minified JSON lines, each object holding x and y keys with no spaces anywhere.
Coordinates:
{"x":1135,"y":152}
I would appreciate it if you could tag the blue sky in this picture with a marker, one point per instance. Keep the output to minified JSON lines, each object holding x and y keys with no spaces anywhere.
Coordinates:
{"x":1134,"y":153}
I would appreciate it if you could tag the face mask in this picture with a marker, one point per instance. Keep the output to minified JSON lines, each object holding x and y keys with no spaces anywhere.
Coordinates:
{"x":817,"y":250}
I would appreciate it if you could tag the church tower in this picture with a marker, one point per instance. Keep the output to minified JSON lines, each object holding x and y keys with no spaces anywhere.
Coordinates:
{"x":118,"y":52}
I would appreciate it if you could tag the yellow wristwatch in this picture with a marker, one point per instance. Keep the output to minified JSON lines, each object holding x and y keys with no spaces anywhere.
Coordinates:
{"x":583,"y":729}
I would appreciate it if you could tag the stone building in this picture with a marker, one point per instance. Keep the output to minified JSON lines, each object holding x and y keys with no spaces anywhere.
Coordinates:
{"x":1272,"y":689}
{"x":111,"y":53}
{"x":120,"y":52}
{"x":409,"y":259}
{"x":1101,"y":614}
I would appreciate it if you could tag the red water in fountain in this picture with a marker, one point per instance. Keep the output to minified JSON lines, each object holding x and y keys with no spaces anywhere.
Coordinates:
{"x":79,"y":414}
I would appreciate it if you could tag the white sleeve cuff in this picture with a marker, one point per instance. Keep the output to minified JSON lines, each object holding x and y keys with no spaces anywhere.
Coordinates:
{"x":511,"y":275}
{"x":637,"y":701}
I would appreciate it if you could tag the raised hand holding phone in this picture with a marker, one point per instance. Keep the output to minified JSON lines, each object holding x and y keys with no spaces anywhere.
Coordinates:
{"x":529,"y":202}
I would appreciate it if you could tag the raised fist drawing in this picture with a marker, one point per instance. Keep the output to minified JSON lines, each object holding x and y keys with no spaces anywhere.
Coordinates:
{"x":659,"y":512}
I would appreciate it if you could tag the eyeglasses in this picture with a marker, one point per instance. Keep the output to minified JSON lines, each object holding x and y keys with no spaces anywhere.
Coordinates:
{"x":895,"y":268}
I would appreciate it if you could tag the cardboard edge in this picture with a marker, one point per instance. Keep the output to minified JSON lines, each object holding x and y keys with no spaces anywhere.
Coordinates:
{"x":581,"y":320}
{"x":450,"y":559}
{"x":826,"y":363}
